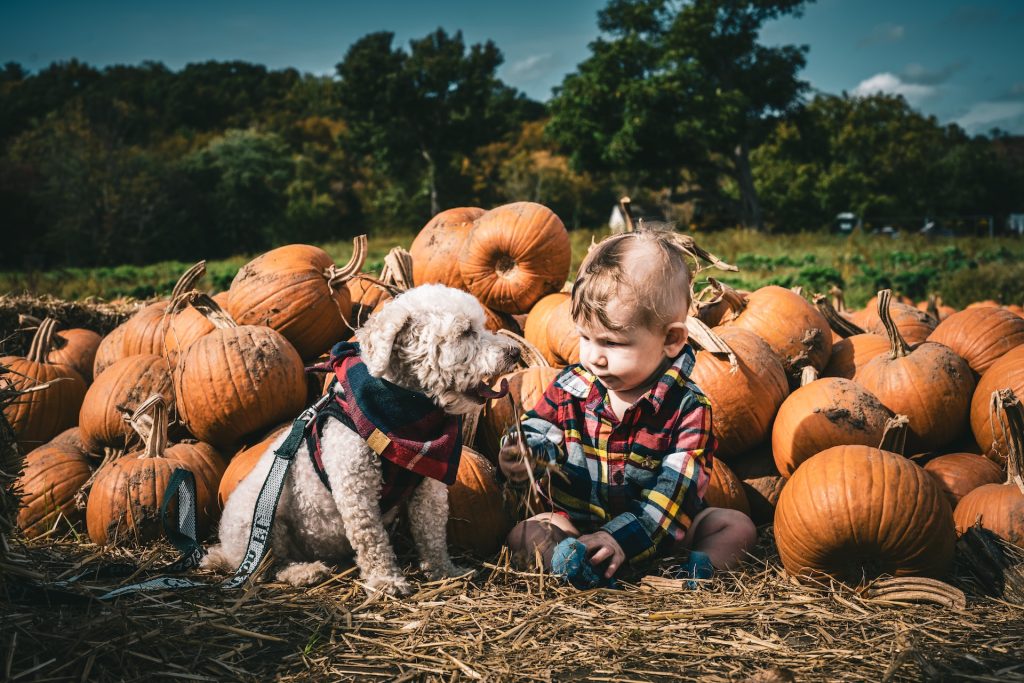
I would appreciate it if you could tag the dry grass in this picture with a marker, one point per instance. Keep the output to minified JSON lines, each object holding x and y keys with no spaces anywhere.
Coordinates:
{"x":497,"y":624}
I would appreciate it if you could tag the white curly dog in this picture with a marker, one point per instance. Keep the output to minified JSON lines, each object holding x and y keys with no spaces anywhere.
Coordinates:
{"x":430,"y":339}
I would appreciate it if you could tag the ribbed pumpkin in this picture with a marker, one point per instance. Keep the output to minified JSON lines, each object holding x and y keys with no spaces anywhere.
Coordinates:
{"x":436,"y":249}
{"x":856,"y":512}
{"x":957,"y":474}
{"x":794,"y":329}
{"x":477,"y":520}
{"x":124,"y":503}
{"x":144,"y":332}
{"x":299,"y":292}
{"x":53,"y":475}
{"x":237,"y":380}
{"x":851,"y":354}
{"x":44,"y":411}
{"x":725,"y":490}
{"x":119,"y":390}
{"x":1000,"y":507}
{"x":243,"y":463}
{"x":914,"y":325}
{"x":928,"y":383}
{"x":525,"y":388}
{"x":745,"y":389}
{"x":980,"y":336}
{"x":537,"y":321}
{"x":1005,"y":373}
{"x":75,"y":347}
{"x":514,"y":255}
{"x":563,"y":342}
{"x":824,"y":413}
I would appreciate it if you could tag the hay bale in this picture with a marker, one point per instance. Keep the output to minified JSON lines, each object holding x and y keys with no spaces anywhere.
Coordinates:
{"x":92,"y":314}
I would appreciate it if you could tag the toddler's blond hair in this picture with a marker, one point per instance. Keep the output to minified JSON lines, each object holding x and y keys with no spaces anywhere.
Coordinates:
{"x":646,"y":271}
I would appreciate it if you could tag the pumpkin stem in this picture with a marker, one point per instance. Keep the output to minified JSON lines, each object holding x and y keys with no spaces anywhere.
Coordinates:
{"x":894,"y":436}
{"x":807,"y":375}
{"x":705,"y":338}
{"x":398,"y":269}
{"x":27,"y":322}
{"x":42,"y":341}
{"x":690,"y":246}
{"x":838,"y":299}
{"x":933,"y":306}
{"x":840,"y":325}
{"x":186,"y":283}
{"x":470,"y":422}
{"x":1007,"y":407}
{"x":155,"y":408}
{"x":730,"y":296}
{"x":210,"y":309}
{"x":530,"y":356}
{"x":798,"y":290}
{"x":898,"y":346}
{"x":336,"y":276}
{"x":625,"y":204}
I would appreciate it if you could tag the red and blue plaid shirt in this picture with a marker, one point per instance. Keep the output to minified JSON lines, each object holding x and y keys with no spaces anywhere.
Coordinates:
{"x":642,"y":476}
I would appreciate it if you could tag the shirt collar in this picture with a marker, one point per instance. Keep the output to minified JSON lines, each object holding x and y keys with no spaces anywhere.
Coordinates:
{"x":583,"y":384}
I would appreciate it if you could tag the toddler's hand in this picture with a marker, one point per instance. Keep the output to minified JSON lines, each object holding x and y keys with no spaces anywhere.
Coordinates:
{"x":510,"y":459}
{"x":602,"y":546}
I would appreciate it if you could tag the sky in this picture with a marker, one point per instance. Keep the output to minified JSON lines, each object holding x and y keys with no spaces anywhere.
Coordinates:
{"x":962,"y":62}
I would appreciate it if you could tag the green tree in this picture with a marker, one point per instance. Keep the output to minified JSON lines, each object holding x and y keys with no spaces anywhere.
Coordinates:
{"x":678,"y":95}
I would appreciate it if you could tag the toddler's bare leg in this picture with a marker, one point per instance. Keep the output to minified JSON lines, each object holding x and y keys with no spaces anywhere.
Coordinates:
{"x":724,"y":535}
{"x":539,"y":534}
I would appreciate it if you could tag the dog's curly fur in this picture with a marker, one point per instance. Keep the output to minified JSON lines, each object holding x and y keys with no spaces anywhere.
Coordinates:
{"x":430,"y":339}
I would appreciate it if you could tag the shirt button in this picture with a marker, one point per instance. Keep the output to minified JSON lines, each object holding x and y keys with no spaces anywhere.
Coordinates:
{"x":618,"y":477}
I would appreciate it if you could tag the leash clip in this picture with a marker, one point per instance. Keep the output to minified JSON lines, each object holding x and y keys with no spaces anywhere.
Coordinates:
{"x":310,"y":413}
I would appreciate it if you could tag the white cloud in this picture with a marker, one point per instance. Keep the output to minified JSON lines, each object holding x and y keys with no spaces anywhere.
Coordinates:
{"x":983,"y":116}
{"x":530,"y":68}
{"x":891,"y":84}
{"x":884,"y":33}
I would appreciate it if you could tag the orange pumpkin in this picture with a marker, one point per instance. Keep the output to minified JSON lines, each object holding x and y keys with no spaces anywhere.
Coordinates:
{"x":435,"y":251}
{"x":54,"y":473}
{"x":980,"y":336}
{"x":1005,"y":373}
{"x":928,"y":383}
{"x":237,"y":380}
{"x":124,"y":503}
{"x":857,"y":512}
{"x":121,"y":389}
{"x":827,"y":412}
{"x":957,"y":474}
{"x":46,"y":409}
{"x":745,"y":390}
{"x":243,"y":463}
{"x":725,"y":490}
{"x":1000,"y":507}
{"x":914,"y":325}
{"x":477,"y":520}
{"x":851,"y":354}
{"x":515,"y":255}
{"x":299,"y":292}
{"x":526,"y":387}
{"x":75,"y":348}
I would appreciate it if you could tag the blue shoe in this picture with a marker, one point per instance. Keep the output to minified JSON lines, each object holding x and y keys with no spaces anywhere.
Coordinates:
{"x":697,"y":566}
{"x":569,"y":561}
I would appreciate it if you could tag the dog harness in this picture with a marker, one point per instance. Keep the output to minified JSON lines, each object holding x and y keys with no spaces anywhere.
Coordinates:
{"x":413,"y":437}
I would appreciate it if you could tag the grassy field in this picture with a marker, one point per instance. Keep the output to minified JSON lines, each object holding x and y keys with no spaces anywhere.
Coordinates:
{"x":961,"y":270}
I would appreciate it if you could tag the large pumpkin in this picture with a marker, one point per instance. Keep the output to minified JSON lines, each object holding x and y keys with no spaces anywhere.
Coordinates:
{"x":914,"y":325}
{"x":857,"y":512}
{"x":538,"y":322}
{"x":849,"y":355}
{"x":980,"y":336}
{"x":75,"y":347}
{"x":237,"y":380}
{"x":54,"y":473}
{"x":299,"y":292}
{"x":436,"y":249}
{"x":745,"y":388}
{"x":957,"y":474}
{"x":477,"y":520}
{"x":145,"y":331}
{"x":824,"y":413}
{"x":53,"y":395}
{"x":514,"y":255}
{"x":725,"y":490}
{"x":794,"y":329}
{"x":121,"y":389}
{"x":124,"y":503}
{"x":1000,"y":507}
{"x":1005,"y":373}
{"x":928,"y":383}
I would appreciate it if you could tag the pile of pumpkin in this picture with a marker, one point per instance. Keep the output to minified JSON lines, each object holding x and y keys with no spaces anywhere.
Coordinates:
{"x":802,"y":394}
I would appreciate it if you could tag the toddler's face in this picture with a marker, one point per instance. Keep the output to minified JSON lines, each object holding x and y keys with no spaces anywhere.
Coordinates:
{"x":624,"y":360}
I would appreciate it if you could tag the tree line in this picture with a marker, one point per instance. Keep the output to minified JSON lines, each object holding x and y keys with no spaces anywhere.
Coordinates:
{"x":678,"y":105}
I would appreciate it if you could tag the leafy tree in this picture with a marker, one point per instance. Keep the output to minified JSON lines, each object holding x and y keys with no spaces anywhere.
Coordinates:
{"x":679,"y":94}
{"x":416,"y":115}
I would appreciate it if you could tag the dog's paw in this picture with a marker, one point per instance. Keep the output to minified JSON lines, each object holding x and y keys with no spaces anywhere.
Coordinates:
{"x":392,"y":585}
{"x":435,"y":573}
{"x":304,"y":573}
{"x":215,"y":558}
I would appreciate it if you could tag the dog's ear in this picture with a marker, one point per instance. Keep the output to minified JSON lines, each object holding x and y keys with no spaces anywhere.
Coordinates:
{"x":377,"y":336}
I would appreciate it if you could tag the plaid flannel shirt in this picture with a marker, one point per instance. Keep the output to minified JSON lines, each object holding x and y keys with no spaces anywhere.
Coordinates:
{"x":641,"y":477}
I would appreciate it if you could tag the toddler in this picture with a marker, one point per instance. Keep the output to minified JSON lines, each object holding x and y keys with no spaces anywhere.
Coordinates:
{"x":630,"y":434}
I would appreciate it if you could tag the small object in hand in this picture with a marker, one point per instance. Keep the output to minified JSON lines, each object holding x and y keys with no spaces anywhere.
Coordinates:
{"x":569,"y":561}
